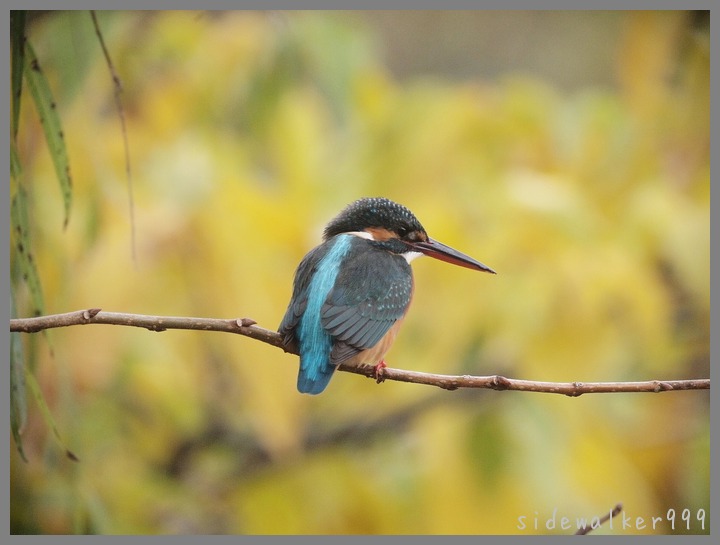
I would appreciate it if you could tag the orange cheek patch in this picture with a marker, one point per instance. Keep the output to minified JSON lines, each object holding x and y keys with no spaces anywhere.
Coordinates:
{"x":380,"y":233}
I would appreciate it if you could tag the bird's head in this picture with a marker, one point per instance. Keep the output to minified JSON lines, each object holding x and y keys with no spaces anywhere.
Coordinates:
{"x":393,"y":227}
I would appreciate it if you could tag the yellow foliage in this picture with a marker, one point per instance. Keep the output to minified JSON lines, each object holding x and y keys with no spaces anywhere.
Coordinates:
{"x":248,"y":131}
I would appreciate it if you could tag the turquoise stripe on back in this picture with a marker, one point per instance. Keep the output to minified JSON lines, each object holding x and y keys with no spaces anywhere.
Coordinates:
{"x":315,"y":342}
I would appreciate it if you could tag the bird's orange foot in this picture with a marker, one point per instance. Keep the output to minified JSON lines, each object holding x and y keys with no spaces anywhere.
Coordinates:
{"x":378,"y":371}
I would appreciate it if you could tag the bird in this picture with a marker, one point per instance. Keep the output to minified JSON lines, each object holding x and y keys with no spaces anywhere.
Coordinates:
{"x":351,"y":293}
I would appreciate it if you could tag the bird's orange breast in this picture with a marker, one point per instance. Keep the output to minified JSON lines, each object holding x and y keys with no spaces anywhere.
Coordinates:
{"x":374,"y":355}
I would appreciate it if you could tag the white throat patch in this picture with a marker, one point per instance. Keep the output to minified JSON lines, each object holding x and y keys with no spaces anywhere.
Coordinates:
{"x":409,"y":256}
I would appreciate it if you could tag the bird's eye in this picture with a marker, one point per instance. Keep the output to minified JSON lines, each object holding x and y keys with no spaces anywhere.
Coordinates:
{"x":402,"y":232}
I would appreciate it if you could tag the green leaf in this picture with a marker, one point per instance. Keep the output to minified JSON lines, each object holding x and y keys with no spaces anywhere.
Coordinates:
{"x":31,"y":381}
{"x":18,"y":399}
{"x":17,"y":39}
{"x":46,"y":107}
{"x":20,"y":225}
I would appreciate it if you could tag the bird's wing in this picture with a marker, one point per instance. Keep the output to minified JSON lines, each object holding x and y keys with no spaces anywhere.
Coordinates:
{"x":372,"y":291}
{"x":299,"y":299}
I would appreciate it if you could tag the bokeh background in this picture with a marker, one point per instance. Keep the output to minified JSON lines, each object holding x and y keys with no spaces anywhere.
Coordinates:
{"x":567,"y":150}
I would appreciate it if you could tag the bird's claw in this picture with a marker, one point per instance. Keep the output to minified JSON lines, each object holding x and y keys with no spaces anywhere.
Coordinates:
{"x":378,"y":371}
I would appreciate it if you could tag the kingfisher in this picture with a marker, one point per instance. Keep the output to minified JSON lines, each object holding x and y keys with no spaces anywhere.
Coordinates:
{"x":351,"y":293}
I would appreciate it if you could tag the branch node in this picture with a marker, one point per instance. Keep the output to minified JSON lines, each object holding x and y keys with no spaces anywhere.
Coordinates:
{"x":662,"y":386}
{"x":245,"y":322}
{"x":500,"y":383}
{"x":90,"y":313}
{"x":577,"y":389}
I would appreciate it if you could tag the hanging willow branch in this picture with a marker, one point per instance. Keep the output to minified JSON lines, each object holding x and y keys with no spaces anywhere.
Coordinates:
{"x":249,"y":328}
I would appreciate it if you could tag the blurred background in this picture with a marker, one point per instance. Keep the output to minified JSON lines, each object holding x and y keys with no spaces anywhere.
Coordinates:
{"x":567,"y":150}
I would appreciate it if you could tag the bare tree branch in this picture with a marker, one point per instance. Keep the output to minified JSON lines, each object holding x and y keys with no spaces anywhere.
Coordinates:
{"x":249,"y":328}
{"x":590,"y":527}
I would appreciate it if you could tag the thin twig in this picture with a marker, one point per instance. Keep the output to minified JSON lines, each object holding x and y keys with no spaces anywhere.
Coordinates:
{"x":590,"y":527}
{"x":117,"y":89}
{"x":249,"y":328}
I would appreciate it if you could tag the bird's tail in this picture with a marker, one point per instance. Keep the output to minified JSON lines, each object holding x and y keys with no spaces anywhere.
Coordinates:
{"x":313,"y":379}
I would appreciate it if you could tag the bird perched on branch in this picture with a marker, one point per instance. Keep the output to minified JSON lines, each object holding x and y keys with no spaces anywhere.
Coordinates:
{"x":351,"y":293}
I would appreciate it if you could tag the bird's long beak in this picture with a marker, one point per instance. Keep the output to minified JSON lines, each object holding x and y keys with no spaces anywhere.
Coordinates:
{"x":440,"y":251}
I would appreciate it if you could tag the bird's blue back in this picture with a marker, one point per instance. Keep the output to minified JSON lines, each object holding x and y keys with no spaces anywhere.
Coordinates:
{"x":315,"y":341}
